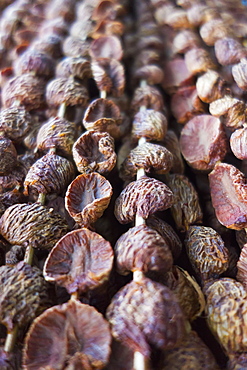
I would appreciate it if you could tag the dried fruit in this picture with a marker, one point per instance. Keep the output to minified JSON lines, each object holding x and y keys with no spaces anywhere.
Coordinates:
{"x":228,"y":51}
{"x":33,"y":61}
{"x":74,"y":46}
{"x":198,"y":60}
{"x":80,"y":261}
{"x":150,"y":124}
{"x":238,"y":143}
{"x":172,"y":144}
{"x":76,"y":67}
{"x":106,"y":47}
{"x":8,"y":156}
{"x":210,"y":87}
{"x":143,"y":198}
{"x":148,"y":96}
{"x":176,"y":75}
{"x":213,"y":30}
{"x":185,"y":40}
{"x":108,"y":75}
{"x":232,"y":111}
{"x":15,"y":123}
{"x":239,"y":73}
{"x":150,"y":73}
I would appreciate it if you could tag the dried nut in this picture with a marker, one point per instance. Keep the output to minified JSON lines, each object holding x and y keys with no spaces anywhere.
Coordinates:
{"x":8,"y":156}
{"x":66,"y":90}
{"x":106,"y":47}
{"x":239,"y":73}
{"x":210,"y":87}
{"x":8,"y":198}
{"x":48,"y":44}
{"x":150,"y":157}
{"x":60,"y":8}
{"x":87,"y":197}
{"x":24,"y":294}
{"x":27,"y":89}
{"x":150,"y":42}
{"x":203,"y":142}
{"x":233,"y":111}
{"x":14,"y":179}
{"x":184,"y":41}
{"x":213,"y":30}
{"x":81,"y":29}
{"x":142,"y":248}
{"x":191,"y":354}
{"x":229,"y":195}
{"x":151,"y":73}
{"x":146,"y":313}
{"x":228,"y":51}
{"x":107,"y":10}
{"x":200,"y":13}
{"x":55,"y":340}
{"x":198,"y":60}
{"x":74,"y":46}
{"x":150,"y":124}
{"x":108,"y":75}
{"x":207,"y":252}
{"x":15,"y":123}
{"x":186,"y":209}
{"x":30,"y":140}
{"x":238,"y":143}
{"x":143,"y":198}
{"x":15,"y":255}
{"x":241,"y":265}
{"x":176,"y":75}
{"x":74,"y":264}
{"x":173,"y":17}
{"x":56,"y":133}
{"x":147,"y":96}
{"x":107,"y":27}
{"x":226,"y":313}
{"x":76,"y":67}
{"x":49,"y":174}
{"x":185,"y":104}
{"x":145,"y":57}
{"x":172,"y":144}
{"x":102,"y":115}
{"x":32,"y":224}
{"x":32,"y":61}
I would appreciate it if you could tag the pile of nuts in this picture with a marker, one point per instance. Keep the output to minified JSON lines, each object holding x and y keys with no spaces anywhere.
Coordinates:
{"x":123,"y":191}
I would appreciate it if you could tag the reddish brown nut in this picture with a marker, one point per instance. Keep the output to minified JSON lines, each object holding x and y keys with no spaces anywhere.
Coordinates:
{"x":150,"y":157}
{"x":150,"y":124}
{"x":49,"y":174}
{"x":8,"y":156}
{"x":24,"y":294}
{"x":210,"y":87}
{"x":14,"y":179}
{"x":186,"y":208}
{"x":176,"y":74}
{"x":15,"y":123}
{"x":77,"y":67}
{"x":10,"y":197}
{"x":238,"y":143}
{"x":32,"y":224}
{"x":207,"y":252}
{"x":108,"y":75}
{"x":192,"y":353}
{"x":228,"y":192}
{"x":26,"y":89}
{"x":94,"y":152}
{"x":239,"y":73}
{"x":231,"y":110}
{"x":143,"y":249}
{"x":56,"y":133}
{"x":49,"y":44}
{"x":203,"y":142}
{"x":106,"y":47}
{"x":32,"y":61}
{"x":147,"y":96}
{"x":74,"y":262}
{"x":226,"y":313}
{"x":185,"y":104}
{"x":184,"y":41}
{"x":172,"y":144}
{"x":241,"y":265}
{"x":228,"y":51}
{"x":213,"y":30}
{"x":66,"y":90}
{"x":87,"y":197}
{"x":143,"y":198}
{"x":151,"y":73}
{"x":198,"y":60}
{"x":146,"y":313}
{"x":70,"y":335}
{"x":74,"y":46}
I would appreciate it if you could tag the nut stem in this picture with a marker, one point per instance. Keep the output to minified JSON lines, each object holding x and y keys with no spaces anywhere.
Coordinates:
{"x":28,"y":258}
{"x":61,"y":110}
{"x":11,"y":339}
{"x":140,"y":362}
{"x":103,"y":94}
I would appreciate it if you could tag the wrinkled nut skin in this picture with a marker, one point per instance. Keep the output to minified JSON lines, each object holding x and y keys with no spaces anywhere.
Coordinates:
{"x":203,"y":142}
{"x":56,"y":341}
{"x":207,"y":252}
{"x":8,"y":156}
{"x":106,"y":47}
{"x":26,"y":89}
{"x":71,"y":66}
{"x":56,"y":133}
{"x":49,"y":44}
{"x":150,"y":124}
{"x":198,"y":60}
{"x":228,"y":51}
{"x":74,"y":46}
{"x":8,"y":198}
{"x":32,"y":61}
{"x":146,"y":313}
{"x":228,"y":190}
{"x":15,"y":122}
{"x":226,"y":310}
{"x":210,"y":87}
{"x":213,"y":30}
{"x":151,"y":73}
{"x":150,"y":157}
{"x":143,"y":198}
{"x":66,"y":90}
{"x":241,"y":266}
{"x":87,"y":197}
{"x":74,"y":261}
{"x":232,"y":111}
{"x":94,"y":152}
{"x":32,"y":224}
{"x":238,"y":143}
{"x":239,"y":73}
{"x":148,"y":96}
{"x":49,"y":174}
{"x":24,"y":294}
{"x":142,"y":248}
{"x":186,"y":209}
{"x":184,"y":41}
